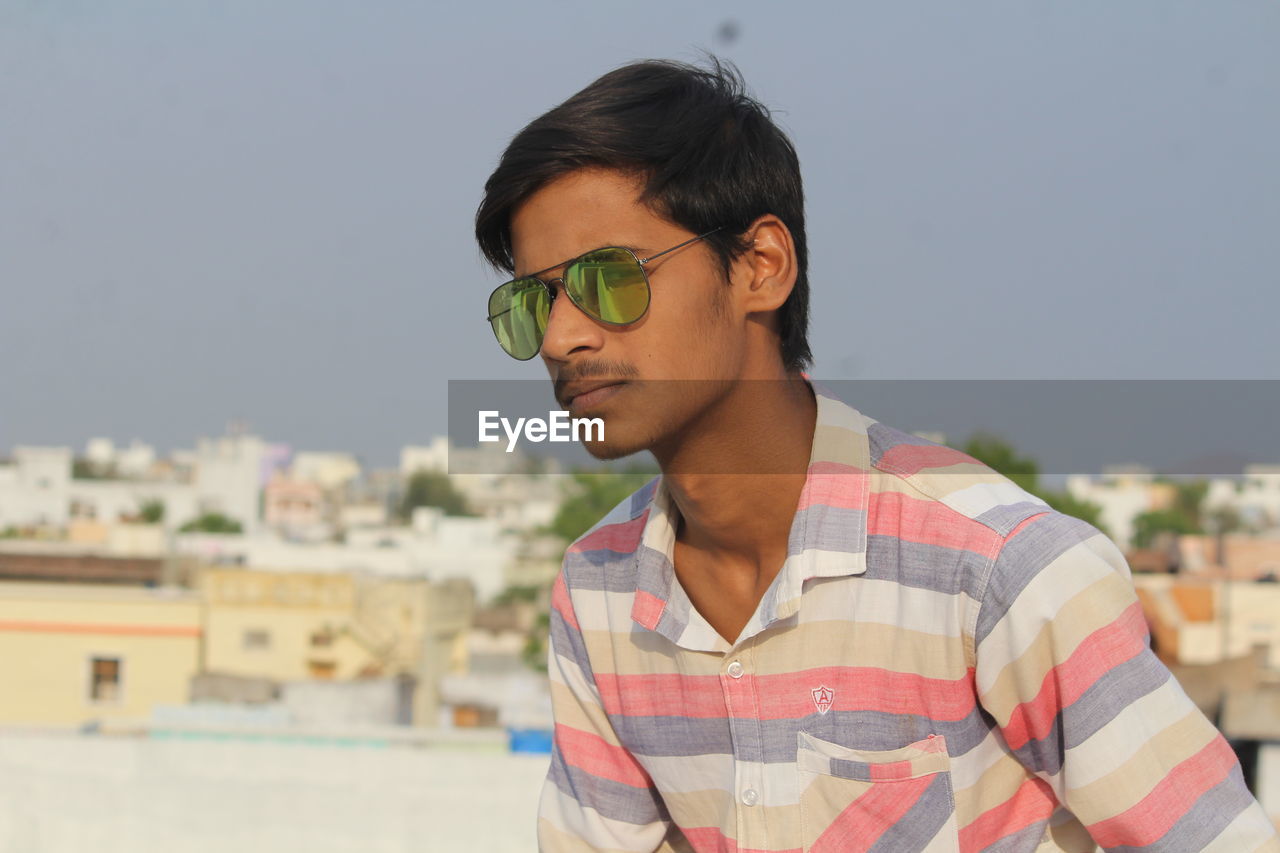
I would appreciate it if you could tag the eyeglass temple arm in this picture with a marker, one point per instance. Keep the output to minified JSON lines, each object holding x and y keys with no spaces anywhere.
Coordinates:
{"x":681,"y":246}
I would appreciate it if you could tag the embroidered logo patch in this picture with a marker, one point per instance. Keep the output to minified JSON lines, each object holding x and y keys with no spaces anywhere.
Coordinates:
{"x":823,"y":696}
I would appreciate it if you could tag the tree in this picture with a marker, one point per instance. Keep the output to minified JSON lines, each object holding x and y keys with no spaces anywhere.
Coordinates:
{"x":591,"y":494}
{"x":1147,"y":525}
{"x":1183,"y":516}
{"x":1000,"y":456}
{"x":996,"y":453}
{"x":534,"y":653}
{"x":212,"y":522}
{"x":512,"y":594}
{"x":1068,"y":504}
{"x":433,"y":488}
{"x":1223,"y":519}
{"x":83,"y":469}
{"x":1188,"y":500}
{"x":152,"y":511}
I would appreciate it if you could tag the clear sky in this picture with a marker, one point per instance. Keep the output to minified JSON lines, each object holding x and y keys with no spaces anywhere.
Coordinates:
{"x":262,"y":211}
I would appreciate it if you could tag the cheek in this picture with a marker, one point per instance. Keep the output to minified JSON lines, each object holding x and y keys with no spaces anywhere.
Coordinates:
{"x":691,"y":339}
{"x":688,"y":330}
{"x":711,"y":321}
{"x":704,"y":307}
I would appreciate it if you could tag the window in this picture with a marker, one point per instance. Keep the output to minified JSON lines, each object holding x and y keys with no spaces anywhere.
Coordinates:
{"x":104,"y":679}
{"x":323,"y":669}
{"x":256,"y":639}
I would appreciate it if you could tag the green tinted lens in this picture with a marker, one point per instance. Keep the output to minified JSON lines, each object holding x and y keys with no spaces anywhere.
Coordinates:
{"x":518,"y":312}
{"x":608,"y":284}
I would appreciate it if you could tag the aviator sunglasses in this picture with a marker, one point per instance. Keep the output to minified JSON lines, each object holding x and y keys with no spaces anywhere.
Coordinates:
{"x":609,"y":285}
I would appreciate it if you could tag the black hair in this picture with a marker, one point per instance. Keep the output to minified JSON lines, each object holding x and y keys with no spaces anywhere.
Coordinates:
{"x":708,"y":153}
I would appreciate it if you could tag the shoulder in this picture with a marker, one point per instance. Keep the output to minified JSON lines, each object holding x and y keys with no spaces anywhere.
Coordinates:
{"x":1052,"y":560}
{"x":1017,"y":535}
{"x":929,"y":471}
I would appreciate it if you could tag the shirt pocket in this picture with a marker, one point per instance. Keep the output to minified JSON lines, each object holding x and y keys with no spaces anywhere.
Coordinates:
{"x":896,"y":800}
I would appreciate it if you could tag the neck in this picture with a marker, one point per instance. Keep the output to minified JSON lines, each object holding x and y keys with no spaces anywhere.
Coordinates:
{"x":737,"y":474}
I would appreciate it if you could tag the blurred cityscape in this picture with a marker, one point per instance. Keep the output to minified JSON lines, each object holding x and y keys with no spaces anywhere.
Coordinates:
{"x":240,"y":606}
{"x":270,"y":625}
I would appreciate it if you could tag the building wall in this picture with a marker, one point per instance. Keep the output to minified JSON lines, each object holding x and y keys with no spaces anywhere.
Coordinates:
{"x":1252,"y":556}
{"x":294,"y":505}
{"x":1121,"y":498}
{"x":286,"y":610}
{"x":1194,"y":622}
{"x":49,"y":634}
{"x":327,"y":470}
{"x":33,"y":490}
{"x":229,"y":477}
{"x":433,"y":457}
{"x":38,"y":489}
{"x":1253,"y":614}
{"x":1256,"y":495}
{"x":321,"y":625}
{"x":116,"y":539}
{"x":436,"y":548}
{"x":108,"y":500}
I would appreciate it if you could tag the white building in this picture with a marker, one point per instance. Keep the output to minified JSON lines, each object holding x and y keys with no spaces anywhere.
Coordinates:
{"x":100,"y":452}
{"x":327,"y":470}
{"x":496,"y":483}
{"x":109,"y":500}
{"x":37,"y":488}
{"x":34,"y":489}
{"x":433,"y":457}
{"x":1255,"y":496}
{"x":1122,"y":495}
{"x":228,"y":479}
{"x":135,"y":460}
{"x":436,"y":547}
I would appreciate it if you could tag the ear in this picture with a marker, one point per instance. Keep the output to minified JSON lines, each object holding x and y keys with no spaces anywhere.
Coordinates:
{"x":766,"y":272}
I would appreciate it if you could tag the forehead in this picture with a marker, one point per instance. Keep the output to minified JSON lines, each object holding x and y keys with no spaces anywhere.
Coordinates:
{"x":582,"y":210}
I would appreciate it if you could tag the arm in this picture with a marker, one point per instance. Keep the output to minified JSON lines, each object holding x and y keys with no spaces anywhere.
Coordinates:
{"x":596,"y":796}
{"x":1064,"y":666}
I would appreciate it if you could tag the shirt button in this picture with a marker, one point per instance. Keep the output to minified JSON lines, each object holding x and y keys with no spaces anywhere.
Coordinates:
{"x":735,"y":671}
{"x":750,"y":797}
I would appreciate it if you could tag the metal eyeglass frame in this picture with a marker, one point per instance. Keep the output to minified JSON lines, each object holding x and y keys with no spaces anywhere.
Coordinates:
{"x":548,"y":286}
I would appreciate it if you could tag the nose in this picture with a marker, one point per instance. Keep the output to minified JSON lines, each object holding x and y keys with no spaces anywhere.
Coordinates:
{"x":569,"y":329}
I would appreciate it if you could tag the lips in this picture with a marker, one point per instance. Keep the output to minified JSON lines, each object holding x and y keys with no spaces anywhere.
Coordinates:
{"x":586,"y":394}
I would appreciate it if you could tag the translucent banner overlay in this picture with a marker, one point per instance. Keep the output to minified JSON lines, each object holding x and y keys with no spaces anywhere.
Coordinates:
{"x":1177,"y":428}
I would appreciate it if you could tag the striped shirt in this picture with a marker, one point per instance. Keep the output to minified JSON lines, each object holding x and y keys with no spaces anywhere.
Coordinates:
{"x":943,"y":663}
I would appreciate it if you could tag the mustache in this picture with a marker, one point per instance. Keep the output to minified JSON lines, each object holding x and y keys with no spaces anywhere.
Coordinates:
{"x":585,"y":370}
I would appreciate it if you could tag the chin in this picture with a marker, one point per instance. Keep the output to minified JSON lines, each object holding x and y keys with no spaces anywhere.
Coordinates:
{"x":611,"y":449}
{"x":621,"y":438}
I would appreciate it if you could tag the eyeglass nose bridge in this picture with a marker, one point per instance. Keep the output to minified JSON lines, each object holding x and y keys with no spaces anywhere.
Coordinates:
{"x":552,"y":295}
{"x":550,"y":285}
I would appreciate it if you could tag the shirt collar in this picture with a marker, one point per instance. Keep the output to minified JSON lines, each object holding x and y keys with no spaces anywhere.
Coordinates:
{"x":828,"y":535}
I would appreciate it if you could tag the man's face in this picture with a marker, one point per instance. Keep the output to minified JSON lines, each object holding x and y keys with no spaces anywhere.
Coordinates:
{"x":688,"y":333}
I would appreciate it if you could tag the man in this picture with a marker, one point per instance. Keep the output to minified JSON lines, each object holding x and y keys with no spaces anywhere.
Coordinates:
{"x":813,"y":631}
